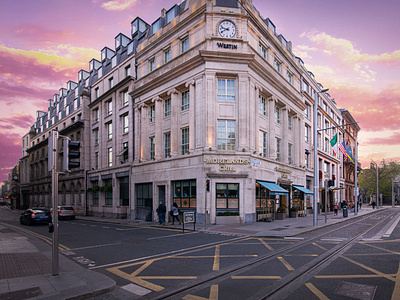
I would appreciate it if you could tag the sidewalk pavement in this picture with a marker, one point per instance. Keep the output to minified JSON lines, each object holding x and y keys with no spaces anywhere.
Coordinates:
{"x":26,"y":267}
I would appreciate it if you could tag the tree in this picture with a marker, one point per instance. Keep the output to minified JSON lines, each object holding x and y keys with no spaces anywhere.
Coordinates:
{"x":386,"y":173}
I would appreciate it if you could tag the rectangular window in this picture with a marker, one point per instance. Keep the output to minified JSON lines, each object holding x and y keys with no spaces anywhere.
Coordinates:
{"x":307,"y":112}
{"x":277,"y":65}
{"x":125,"y":98}
{"x":96,"y":160}
{"x":96,"y":136}
{"x":167,"y":144}
{"x":307,"y":160}
{"x":95,"y":186}
{"x":185,"y":44}
{"x":170,"y":15}
{"x":167,"y":107}
{"x":96,"y":92}
{"x":290,"y":122}
{"x":152,"y":65}
{"x":226,"y":135}
{"x":152,"y":148}
{"x":125,"y":155}
{"x":128,"y":71}
{"x":307,"y":134}
{"x":263,"y":51}
{"x":263,"y":143}
{"x":227,"y":195}
{"x":125,"y":124}
{"x":108,"y":193}
{"x":96,"y":114}
{"x":185,"y":193}
{"x":109,"y":157}
{"x":167,"y":55}
{"x":144,"y":195}
{"x":290,"y":150}
{"x":109,"y":108}
{"x":124,"y":191}
{"x":278,"y":149}
{"x":289,"y":77}
{"x":262,"y":105}
{"x":152,"y":113}
{"x":185,"y":100}
{"x":185,"y":140}
{"x":326,"y":145}
{"x":109,"y":130}
{"x":111,"y":82}
{"x":277,"y":115}
{"x":226,"y":89}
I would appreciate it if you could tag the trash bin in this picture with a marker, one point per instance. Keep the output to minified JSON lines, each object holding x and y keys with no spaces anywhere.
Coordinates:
{"x":345,"y":212}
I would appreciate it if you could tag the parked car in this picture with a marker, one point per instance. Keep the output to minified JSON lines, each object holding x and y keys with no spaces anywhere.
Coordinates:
{"x":35,"y":216}
{"x":65,"y":212}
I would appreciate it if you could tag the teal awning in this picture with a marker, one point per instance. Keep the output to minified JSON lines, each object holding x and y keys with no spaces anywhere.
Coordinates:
{"x":303,"y":189}
{"x":273,"y":188}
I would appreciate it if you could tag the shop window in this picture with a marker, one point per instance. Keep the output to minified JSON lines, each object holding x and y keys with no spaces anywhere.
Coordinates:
{"x":227,"y":197}
{"x":185,"y":193}
{"x":265,"y":203}
{"x":108,"y":192}
{"x":124,"y":191}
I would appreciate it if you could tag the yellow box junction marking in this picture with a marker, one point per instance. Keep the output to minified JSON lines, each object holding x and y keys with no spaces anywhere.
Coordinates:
{"x":285,"y":263}
{"x":316,"y":291}
{"x":213,"y":294}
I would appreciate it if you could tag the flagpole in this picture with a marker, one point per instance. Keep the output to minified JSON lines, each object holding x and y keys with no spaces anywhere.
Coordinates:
{"x":355,"y":179}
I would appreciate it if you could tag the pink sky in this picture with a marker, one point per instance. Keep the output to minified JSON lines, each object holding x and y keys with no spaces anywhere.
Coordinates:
{"x":352,"y":47}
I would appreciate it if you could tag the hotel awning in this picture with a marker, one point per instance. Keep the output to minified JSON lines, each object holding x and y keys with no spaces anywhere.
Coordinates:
{"x":273,"y":188}
{"x":303,"y":189}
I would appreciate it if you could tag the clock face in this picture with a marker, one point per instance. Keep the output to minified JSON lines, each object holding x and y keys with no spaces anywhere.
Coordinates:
{"x":227,"y":29}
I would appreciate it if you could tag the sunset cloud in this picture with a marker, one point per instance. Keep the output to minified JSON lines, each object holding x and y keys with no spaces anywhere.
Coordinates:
{"x":11,"y":151}
{"x":118,"y":5}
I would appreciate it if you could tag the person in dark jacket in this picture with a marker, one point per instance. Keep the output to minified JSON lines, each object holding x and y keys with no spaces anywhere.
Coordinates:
{"x":175,"y":214}
{"x":161,"y":209}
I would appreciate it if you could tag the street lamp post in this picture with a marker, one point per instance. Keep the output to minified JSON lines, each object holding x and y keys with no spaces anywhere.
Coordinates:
{"x":377,"y":184}
{"x":315,"y":216}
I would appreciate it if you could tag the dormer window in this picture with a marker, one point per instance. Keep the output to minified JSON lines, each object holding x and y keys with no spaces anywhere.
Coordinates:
{"x":138,"y":25}
{"x":156,"y":26}
{"x":171,"y":14}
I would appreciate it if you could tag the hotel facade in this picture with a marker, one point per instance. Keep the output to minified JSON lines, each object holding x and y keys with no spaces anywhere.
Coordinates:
{"x":207,"y":107}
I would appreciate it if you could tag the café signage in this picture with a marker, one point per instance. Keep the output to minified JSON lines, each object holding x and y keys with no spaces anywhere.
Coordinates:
{"x":227,"y":165}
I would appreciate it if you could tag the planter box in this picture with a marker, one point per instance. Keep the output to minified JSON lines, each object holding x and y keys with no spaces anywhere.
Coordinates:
{"x":293,"y":214}
{"x":225,"y":220}
{"x":310,"y":211}
{"x":280,"y":216}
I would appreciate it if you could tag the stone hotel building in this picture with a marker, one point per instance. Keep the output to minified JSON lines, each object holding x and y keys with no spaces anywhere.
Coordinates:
{"x":207,"y":107}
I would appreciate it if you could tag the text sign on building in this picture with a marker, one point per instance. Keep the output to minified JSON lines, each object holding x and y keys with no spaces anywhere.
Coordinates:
{"x":227,"y":165}
{"x":188,"y":217}
{"x":226,"y":46}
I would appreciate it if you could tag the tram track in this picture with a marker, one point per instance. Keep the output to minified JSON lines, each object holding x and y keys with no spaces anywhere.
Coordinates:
{"x":278,"y":289}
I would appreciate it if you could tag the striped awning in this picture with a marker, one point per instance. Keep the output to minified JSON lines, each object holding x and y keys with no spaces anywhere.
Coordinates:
{"x":303,"y":189}
{"x":273,"y":188}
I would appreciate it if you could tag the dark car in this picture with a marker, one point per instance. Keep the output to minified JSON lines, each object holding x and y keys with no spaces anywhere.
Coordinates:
{"x":35,"y":216}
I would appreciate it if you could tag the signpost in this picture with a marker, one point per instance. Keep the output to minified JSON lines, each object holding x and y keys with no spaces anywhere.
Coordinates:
{"x":189,"y":217}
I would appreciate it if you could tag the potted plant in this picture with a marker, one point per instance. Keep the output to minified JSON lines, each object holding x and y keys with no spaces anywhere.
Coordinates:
{"x":281,"y":213}
{"x":293,"y":212}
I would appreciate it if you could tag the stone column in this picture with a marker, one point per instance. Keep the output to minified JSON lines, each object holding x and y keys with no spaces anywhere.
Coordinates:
{"x":285,"y":129}
{"x":158,"y":127}
{"x":192,"y":116}
{"x":144,"y":153}
{"x":271,"y":128}
{"x":211,"y":104}
{"x":137,"y":151}
{"x":242,"y":106}
{"x":256,"y":131}
{"x":175,"y":107}
{"x":297,"y":140}
{"x":302,"y":133}
{"x":199,"y":113}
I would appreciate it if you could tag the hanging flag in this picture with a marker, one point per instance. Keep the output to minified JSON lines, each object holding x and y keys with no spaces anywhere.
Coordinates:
{"x":342,"y":147}
{"x":349,"y":153}
{"x":334,"y":144}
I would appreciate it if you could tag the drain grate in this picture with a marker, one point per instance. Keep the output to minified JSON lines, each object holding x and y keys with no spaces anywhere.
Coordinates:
{"x":356,"y":291}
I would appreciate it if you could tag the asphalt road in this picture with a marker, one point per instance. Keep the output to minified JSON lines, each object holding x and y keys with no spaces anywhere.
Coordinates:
{"x":150,"y":262}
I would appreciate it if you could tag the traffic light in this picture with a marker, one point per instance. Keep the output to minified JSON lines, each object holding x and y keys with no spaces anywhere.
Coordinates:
{"x":71,"y":154}
{"x":208,"y":185}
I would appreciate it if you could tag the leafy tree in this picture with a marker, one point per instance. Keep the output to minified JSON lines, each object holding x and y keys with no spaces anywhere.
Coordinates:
{"x":386,"y":173}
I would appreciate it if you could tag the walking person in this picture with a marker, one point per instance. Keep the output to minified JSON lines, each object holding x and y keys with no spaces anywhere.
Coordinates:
{"x":175,"y":214}
{"x":360,"y":204}
{"x":161,"y":209}
{"x":335,"y":209}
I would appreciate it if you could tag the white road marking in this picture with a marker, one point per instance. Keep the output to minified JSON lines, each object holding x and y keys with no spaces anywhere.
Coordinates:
{"x":135,"y":289}
{"x":168,"y":236}
{"x":390,"y":230}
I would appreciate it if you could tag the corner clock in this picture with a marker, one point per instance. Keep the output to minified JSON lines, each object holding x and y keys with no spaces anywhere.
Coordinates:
{"x":227,"y":29}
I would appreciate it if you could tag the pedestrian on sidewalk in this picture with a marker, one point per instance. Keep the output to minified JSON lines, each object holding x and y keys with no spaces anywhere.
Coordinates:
{"x":335,"y":208}
{"x":373,"y":204}
{"x":161,"y":209}
{"x":360,"y":203}
{"x":175,"y":214}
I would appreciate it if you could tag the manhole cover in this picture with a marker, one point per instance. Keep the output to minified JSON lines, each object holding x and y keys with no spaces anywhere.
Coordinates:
{"x":356,"y":291}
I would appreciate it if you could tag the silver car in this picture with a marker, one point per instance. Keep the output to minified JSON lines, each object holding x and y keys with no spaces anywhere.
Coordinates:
{"x":65,"y":212}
